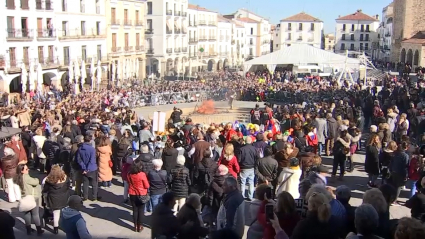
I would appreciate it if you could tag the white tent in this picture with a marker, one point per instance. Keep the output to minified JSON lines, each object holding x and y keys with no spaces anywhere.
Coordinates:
{"x":302,"y":54}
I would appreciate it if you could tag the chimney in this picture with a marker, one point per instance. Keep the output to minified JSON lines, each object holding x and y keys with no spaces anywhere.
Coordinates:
{"x":359,"y":10}
{"x":339,"y":16}
{"x":377,"y":17}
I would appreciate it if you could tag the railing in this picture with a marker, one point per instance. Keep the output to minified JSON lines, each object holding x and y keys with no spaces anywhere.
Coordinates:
{"x":184,"y":49}
{"x":223,"y":53}
{"x":212,"y":23}
{"x":203,"y":38}
{"x":115,"y":22}
{"x":202,"y":22}
{"x":193,"y":54}
{"x":213,"y":54}
{"x":184,"y":31}
{"x":177,"y":50}
{"x":212,"y":38}
{"x":46,"y":33}
{"x":221,"y":38}
{"x":97,"y":9}
{"x":138,"y":23}
{"x":184,"y":14}
{"x":193,"y":40}
{"x":149,"y":31}
{"x":227,"y":38}
{"x":300,"y":39}
{"x":233,"y":42}
{"x":127,"y":22}
{"x":177,"y":31}
{"x":85,"y":33}
{"x":176,"y":13}
{"x":150,"y":51}
{"x":49,"y":61}
{"x":169,"y":12}
{"x":251,"y":43}
{"x":168,"y":31}
{"x":140,"y":48}
{"x":192,"y":23}
{"x":169,"y":50}
{"x":13,"y":33}
{"x":115,"y":49}
{"x":128,"y":48}
{"x":311,"y":39}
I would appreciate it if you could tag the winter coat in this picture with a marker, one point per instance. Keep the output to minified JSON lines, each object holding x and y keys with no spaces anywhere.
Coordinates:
{"x":215,"y":192}
{"x":283,"y":159}
{"x":157,"y":181}
{"x":147,"y":164}
{"x":8,"y":166}
{"x":321,"y":129}
{"x":6,"y":226}
{"x":39,"y":142}
{"x":86,"y":157}
{"x":203,"y":174}
{"x":31,"y":186}
{"x":120,"y":150}
{"x":288,"y":181}
{"x":138,"y":184}
{"x":312,"y":228}
{"x":169,"y":158}
{"x":180,"y":181}
{"x":398,"y":168}
{"x":332,"y":126}
{"x":255,"y":230}
{"x":163,"y":222}
{"x":372,"y":160}
{"x":188,"y":214}
{"x":417,"y":205}
{"x":340,"y":145}
{"x":56,"y":194}
{"x":306,"y":162}
{"x":231,"y":164}
{"x":104,"y":154}
{"x":73,"y":224}
{"x":266,"y":169}
{"x":248,"y":156}
{"x":231,"y":214}
{"x":392,"y":121}
{"x":19,"y":150}
{"x":51,"y":150}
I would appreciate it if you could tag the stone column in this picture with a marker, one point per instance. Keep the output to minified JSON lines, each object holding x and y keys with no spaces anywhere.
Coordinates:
{"x":162,"y":67}
{"x":142,"y":68}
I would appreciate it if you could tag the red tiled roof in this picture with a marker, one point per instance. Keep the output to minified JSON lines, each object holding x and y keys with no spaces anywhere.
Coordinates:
{"x":301,"y":17}
{"x":198,"y":8}
{"x":220,"y":18}
{"x":358,"y":16}
{"x":247,"y":20}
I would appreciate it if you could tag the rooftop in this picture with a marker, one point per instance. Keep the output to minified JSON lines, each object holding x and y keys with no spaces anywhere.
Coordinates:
{"x":247,"y":20}
{"x":358,"y":16}
{"x":301,"y":17}
{"x":221,"y":18}
{"x":198,"y":8}
{"x":418,"y":38}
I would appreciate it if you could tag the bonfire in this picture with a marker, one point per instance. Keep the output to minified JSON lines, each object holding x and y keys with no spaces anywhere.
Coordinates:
{"x":207,"y":107}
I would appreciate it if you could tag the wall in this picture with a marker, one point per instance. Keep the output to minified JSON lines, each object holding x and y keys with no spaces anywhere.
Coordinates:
{"x":306,"y":34}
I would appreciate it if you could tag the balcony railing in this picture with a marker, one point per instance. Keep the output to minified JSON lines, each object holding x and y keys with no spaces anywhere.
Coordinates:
{"x":169,"y":12}
{"x":192,"y":24}
{"x":233,"y":42}
{"x":177,"y":31}
{"x":176,"y":13}
{"x":212,"y":38}
{"x":251,"y":43}
{"x":138,"y":23}
{"x":140,"y":48}
{"x":78,"y":33}
{"x":203,"y":38}
{"x":44,"y":5}
{"x":115,"y":49}
{"x":46,"y":33}
{"x":177,"y":50}
{"x":311,"y":39}
{"x":184,"y":14}
{"x":224,"y":53}
{"x":49,"y":61}
{"x":212,"y":23}
{"x":202,"y":22}
{"x":150,"y":51}
{"x":184,"y":49}
{"x":128,"y":48}
{"x":19,"y":34}
{"x":168,"y":31}
{"x":300,"y":39}
{"x":193,"y":40}
{"x":192,"y":54}
{"x":169,"y":50}
{"x":115,"y":22}
{"x":148,"y":31}
{"x":213,"y":54}
{"x":127,"y":22}
{"x":184,"y":31}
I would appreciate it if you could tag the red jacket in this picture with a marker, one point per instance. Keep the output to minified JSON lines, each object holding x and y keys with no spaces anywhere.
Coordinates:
{"x":19,"y":151}
{"x":287,"y":222}
{"x":414,"y":168}
{"x":138,"y":184}
{"x":232,"y":165}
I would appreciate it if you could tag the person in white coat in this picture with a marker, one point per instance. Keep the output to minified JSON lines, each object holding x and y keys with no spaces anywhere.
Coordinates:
{"x":39,"y":140}
{"x":290,"y":179}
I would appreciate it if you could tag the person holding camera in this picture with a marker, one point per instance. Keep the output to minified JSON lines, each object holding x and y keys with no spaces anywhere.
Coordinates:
{"x":176,"y":116}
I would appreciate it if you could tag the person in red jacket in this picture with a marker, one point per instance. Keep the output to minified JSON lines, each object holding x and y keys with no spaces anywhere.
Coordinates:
{"x":138,"y":186}
{"x":229,"y":160}
{"x":414,"y":173}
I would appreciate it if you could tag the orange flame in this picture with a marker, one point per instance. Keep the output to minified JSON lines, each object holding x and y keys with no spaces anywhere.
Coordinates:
{"x":207,"y":108}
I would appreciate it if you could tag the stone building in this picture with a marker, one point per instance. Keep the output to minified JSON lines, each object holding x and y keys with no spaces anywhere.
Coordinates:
{"x":408,"y":40}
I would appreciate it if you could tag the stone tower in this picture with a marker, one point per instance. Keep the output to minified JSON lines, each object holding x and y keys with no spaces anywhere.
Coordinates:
{"x":409,"y":18}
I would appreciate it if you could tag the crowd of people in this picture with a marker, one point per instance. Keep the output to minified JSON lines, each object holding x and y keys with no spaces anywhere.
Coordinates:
{"x":198,"y":180}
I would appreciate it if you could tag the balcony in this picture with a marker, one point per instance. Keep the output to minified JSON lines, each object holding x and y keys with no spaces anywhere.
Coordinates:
{"x":202,"y":23}
{"x":227,"y":38}
{"x":184,"y":49}
{"x":343,"y":30}
{"x":115,"y":49}
{"x":212,"y":23}
{"x":19,"y":34}
{"x":138,"y":23}
{"x":184,"y":31}
{"x":44,"y":5}
{"x":233,"y":42}
{"x":221,"y":38}
{"x":78,"y":33}
{"x":224,"y":53}
{"x":213,"y":54}
{"x":193,"y":40}
{"x":169,"y":50}
{"x":289,"y":29}
{"x":177,"y":50}
{"x":311,"y":40}
{"x":192,"y":54}
{"x":251,"y":43}
{"x":49,"y":62}
{"x":184,"y":14}
{"x":168,"y":31}
{"x":127,"y":22}
{"x":203,"y":38}
{"x":192,"y":24}
{"x":150,"y":51}
{"x":128,"y":49}
{"x":46,"y":34}
{"x":266,"y":42}
{"x":140,"y":48}
{"x":115,"y":22}
{"x":176,"y":13}
{"x":299,"y":39}
{"x":169,"y":12}
{"x":177,"y":31}
{"x":148,"y":31}
{"x":212,"y":38}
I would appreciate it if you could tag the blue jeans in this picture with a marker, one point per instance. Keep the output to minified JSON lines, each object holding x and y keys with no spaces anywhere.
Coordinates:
{"x":148,"y":205}
{"x":412,"y":185}
{"x":107,"y":184}
{"x":155,"y":200}
{"x":247,"y":176}
{"x":321,"y":148}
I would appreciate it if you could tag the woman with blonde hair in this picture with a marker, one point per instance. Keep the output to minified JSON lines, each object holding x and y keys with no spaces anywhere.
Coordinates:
{"x":229,"y":160}
{"x":319,"y":222}
{"x":56,"y":193}
{"x":372,"y":159}
{"x":104,"y":154}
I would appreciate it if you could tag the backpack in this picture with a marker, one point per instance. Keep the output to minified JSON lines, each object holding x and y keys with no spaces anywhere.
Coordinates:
{"x":311,"y":139}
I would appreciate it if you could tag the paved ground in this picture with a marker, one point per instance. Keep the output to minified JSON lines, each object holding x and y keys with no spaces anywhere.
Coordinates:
{"x":110,"y":218}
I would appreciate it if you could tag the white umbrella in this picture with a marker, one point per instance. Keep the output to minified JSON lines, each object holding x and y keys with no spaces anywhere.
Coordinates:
{"x":32,"y":76}
{"x":24,"y":78}
{"x":136,"y":68}
{"x":39,"y":77}
{"x":99,"y":74}
{"x":83,"y":74}
{"x":70,"y":73}
{"x":114,"y":71}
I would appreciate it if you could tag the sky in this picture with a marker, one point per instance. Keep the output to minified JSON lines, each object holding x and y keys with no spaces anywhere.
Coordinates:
{"x":275,"y":10}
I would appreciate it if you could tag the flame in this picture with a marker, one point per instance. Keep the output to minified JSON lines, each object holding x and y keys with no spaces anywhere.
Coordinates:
{"x":207,"y":108}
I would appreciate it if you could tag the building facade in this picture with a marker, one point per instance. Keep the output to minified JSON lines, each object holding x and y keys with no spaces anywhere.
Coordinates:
{"x":385,"y":33}
{"x":125,"y":20}
{"x":330,"y":42}
{"x":167,"y":37}
{"x":357,"y":32}
{"x":301,"y":28}
{"x":408,"y":39}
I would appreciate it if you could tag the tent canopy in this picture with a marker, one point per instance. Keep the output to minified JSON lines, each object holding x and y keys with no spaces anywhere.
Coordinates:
{"x":194,"y":64}
{"x":302,"y":54}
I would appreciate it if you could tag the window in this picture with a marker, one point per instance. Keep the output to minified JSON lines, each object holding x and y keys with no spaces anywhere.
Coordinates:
{"x":300,"y":26}
{"x":251,"y":42}
{"x":343,"y":27}
{"x":352,"y":27}
{"x":312,"y":27}
{"x":352,"y":47}
{"x":137,"y":39}
{"x":250,"y":51}
{"x":343,"y":46}
{"x":367,"y":37}
{"x":277,"y":34}
{"x":150,"y":8}
{"x":82,"y":6}
{"x":10,"y":4}
{"x":50,"y":49}
{"x":125,"y":16}
{"x":361,"y":46}
{"x":84,"y":53}
{"x":24,"y":4}
{"x":99,"y":52}
{"x":64,"y":28}
{"x":10,"y":27}
{"x":64,"y":8}
{"x":367,"y":28}
{"x":366,"y":46}
{"x":362,"y":28}
{"x":252,"y":31}
{"x":66,"y":55}
{"x":352,"y":37}
{"x":40,"y":54}
{"x":12,"y":56}
{"x":83,"y":28}
{"x":289,"y":27}
{"x":114,"y":42}
{"x":126,"y":40}
{"x":26,"y":55}
{"x":289,"y":36}
{"x":97,"y":7}
{"x":277,"y":45}
{"x":343,"y":37}
{"x":137,"y":16}
{"x":98,"y":28}
{"x":361,"y":37}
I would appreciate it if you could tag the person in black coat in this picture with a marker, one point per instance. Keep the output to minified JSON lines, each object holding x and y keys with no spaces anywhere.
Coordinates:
{"x":266,"y":168}
{"x":169,"y":156}
{"x":119,"y":153}
{"x":180,"y":182}
{"x":26,"y":141}
{"x":7,"y":222}
{"x":203,"y":173}
{"x":146,"y":157}
{"x":157,"y":182}
{"x":56,"y":193}
{"x":51,"y":150}
{"x":215,"y":192}
{"x":372,"y":159}
{"x":190,"y":213}
{"x":417,"y":203}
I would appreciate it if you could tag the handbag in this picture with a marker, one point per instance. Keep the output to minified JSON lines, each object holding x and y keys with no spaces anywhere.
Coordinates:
{"x":27,"y":203}
{"x":141,"y":199}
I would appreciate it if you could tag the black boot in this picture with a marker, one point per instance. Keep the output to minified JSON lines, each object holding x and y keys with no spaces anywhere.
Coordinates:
{"x":56,"y":230}
{"x":39,"y":231}
{"x":28,"y":230}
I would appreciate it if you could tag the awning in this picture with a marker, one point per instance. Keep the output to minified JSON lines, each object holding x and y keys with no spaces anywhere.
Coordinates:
{"x":177,"y":24}
{"x":194,"y":64}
